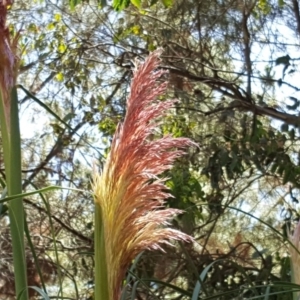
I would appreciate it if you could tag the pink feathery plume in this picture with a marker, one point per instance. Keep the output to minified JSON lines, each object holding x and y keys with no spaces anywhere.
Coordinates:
{"x":129,"y":191}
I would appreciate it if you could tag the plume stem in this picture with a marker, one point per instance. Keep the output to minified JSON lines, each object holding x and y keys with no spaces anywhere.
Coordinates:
{"x":101,"y":278}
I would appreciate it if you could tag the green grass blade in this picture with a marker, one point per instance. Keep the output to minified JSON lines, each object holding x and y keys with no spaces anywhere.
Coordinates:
{"x":130,"y":276}
{"x":40,"y":291}
{"x":46,"y":107}
{"x":202,"y":276}
{"x":166,"y":284}
{"x":11,"y":141}
{"x":36,"y":261}
{"x":54,"y":241}
{"x":43,"y":190}
{"x":267,"y":293}
{"x":134,"y":289}
{"x":14,"y":186}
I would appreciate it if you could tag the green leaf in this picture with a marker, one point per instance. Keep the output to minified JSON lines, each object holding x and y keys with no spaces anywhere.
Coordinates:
{"x":57,"y":17}
{"x":51,"y":26}
{"x":32,"y":27}
{"x":153,"y":2}
{"x":274,"y":168}
{"x":35,"y":192}
{"x":59,"y":77}
{"x":40,"y":291}
{"x":199,"y":284}
{"x":11,"y":147}
{"x":136,"y":29}
{"x":262,"y":2}
{"x":119,"y":5}
{"x":68,"y":117}
{"x":130,"y":275}
{"x":287,"y":175}
{"x":167,"y":3}
{"x":42,"y":104}
{"x":3,"y":209}
{"x":62,"y":48}
{"x":73,"y":3}
{"x":136,"y":3}
{"x":264,"y":6}
{"x":102,"y":3}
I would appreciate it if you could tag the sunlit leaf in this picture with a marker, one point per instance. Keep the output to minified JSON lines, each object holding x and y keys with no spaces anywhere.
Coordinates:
{"x":73,"y":3}
{"x":120,"y":4}
{"x":151,"y":47}
{"x":51,"y":26}
{"x":32,"y":27}
{"x":167,"y":3}
{"x":136,"y":29}
{"x":136,"y":3}
{"x":57,"y":17}
{"x":59,"y":77}
{"x":62,"y":48}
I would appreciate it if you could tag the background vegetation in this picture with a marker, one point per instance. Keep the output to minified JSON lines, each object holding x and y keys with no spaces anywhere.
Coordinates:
{"x":233,"y":65}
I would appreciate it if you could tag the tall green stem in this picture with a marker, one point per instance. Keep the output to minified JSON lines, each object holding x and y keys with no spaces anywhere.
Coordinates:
{"x":101,"y":279}
{"x":12,"y":160}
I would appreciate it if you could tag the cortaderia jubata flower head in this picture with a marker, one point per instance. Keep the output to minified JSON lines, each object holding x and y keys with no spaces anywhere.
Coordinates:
{"x":129,"y":191}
